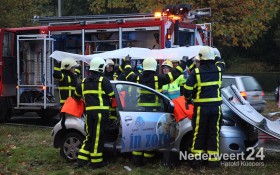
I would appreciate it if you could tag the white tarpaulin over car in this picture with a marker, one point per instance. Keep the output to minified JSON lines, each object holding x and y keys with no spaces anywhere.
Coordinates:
{"x":135,"y":53}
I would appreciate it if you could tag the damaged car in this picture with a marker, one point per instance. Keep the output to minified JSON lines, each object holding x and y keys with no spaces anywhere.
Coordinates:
{"x":145,"y":128}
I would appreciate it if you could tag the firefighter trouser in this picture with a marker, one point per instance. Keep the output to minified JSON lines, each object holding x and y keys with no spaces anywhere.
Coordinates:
{"x":206,"y":128}
{"x":138,"y":156}
{"x":92,"y":148}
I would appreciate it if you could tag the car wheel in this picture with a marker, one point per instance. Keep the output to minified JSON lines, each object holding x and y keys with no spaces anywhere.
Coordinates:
{"x":70,"y":146}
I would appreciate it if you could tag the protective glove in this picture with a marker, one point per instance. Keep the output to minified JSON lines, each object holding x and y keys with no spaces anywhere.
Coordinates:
{"x":218,"y":58}
{"x":57,"y":63}
{"x":188,"y":101}
{"x":185,"y":59}
{"x":127,"y":59}
{"x":189,"y":62}
{"x":187,"y":105}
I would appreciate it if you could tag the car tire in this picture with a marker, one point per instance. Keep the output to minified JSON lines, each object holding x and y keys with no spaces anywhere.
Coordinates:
{"x":70,"y":146}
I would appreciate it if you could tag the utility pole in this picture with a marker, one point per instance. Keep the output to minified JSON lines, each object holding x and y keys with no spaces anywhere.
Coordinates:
{"x":59,"y":7}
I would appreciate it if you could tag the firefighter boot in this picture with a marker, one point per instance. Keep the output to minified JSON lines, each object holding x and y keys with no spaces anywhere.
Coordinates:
{"x":81,"y":163}
{"x":137,"y":160}
{"x":98,"y":165}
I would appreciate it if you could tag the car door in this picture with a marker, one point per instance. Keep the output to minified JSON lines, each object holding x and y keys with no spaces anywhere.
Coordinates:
{"x":144,"y":126}
{"x":233,"y":99}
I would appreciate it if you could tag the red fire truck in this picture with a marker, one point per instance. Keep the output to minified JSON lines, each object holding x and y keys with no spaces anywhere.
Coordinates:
{"x":26,"y":82}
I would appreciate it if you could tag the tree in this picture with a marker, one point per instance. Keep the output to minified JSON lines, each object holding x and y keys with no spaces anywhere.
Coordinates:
{"x":235,"y":22}
{"x":75,"y":8}
{"x":18,"y":13}
{"x":241,"y":23}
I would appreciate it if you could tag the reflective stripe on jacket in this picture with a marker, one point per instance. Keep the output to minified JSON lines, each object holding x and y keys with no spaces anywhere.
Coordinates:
{"x":96,"y":91}
{"x":67,"y":82}
{"x":204,"y":84}
{"x":172,"y":90}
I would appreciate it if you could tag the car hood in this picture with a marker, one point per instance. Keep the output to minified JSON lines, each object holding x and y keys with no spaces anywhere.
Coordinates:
{"x":232,"y":98}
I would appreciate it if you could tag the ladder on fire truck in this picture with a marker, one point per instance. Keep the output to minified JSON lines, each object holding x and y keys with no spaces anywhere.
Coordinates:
{"x":91,"y":19}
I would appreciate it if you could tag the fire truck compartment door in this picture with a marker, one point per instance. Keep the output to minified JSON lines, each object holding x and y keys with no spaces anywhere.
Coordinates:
{"x":233,"y":99}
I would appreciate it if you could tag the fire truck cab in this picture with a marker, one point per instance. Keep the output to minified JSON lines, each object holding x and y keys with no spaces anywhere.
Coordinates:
{"x":26,"y":82}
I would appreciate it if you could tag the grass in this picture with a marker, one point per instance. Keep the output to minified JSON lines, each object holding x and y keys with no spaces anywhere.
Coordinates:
{"x":29,"y":150}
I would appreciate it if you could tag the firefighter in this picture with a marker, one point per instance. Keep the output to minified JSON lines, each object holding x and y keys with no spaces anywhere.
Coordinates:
{"x":171,"y":90}
{"x":150,"y":78}
{"x":111,"y":75}
{"x":109,"y":71}
{"x":203,"y":87}
{"x":64,"y":72}
{"x":97,"y":92}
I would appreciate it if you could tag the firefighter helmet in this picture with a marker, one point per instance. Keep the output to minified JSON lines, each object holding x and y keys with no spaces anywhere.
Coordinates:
{"x":149,"y":64}
{"x":167,"y":63}
{"x":175,"y":61}
{"x":206,"y":53}
{"x":110,"y":62}
{"x":68,"y":63}
{"x":97,"y":64}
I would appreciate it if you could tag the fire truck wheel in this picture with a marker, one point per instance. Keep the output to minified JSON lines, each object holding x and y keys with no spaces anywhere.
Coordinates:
{"x":70,"y":146}
{"x":47,"y":114}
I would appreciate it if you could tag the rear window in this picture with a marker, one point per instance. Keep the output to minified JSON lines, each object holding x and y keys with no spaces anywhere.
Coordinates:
{"x":251,"y":84}
{"x":228,"y":81}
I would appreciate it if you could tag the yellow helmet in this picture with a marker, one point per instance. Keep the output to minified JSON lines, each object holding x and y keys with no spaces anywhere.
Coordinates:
{"x":150,"y":64}
{"x":97,"y":64}
{"x":167,"y":63}
{"x":110,"y":62}
{"x":206,"y":53}
{"x":68,"y":63}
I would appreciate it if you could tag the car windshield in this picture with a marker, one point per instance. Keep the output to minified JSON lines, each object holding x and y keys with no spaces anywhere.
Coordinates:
{"x":250,"y":84}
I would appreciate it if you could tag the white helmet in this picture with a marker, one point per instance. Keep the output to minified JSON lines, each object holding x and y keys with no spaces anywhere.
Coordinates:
{"x":150,"y":64}
{"x":206,"y":53}
{"x":217,"y":52}
{"x":68,"y":63}
{"x":97,"y":64}
{"x":110,"y":62}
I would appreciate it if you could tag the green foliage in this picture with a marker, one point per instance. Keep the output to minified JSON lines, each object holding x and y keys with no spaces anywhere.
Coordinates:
{"x":17,"y":13}
{"x":241,"y":23}
{"x":75,"y":8}
{"x":235,"y":22}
